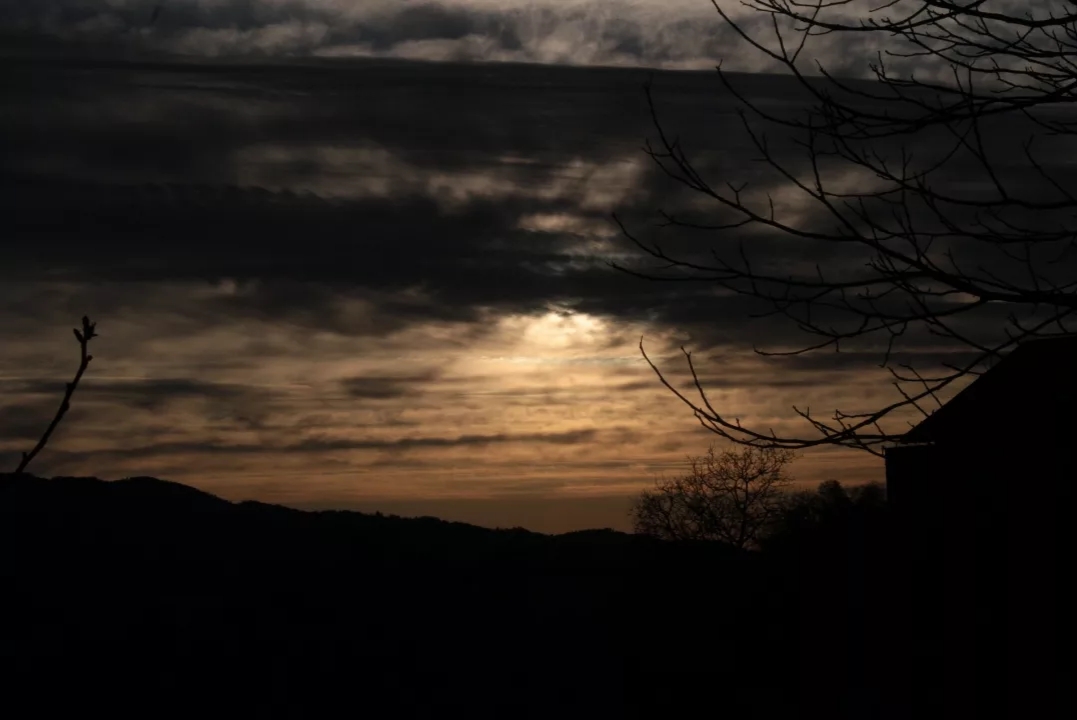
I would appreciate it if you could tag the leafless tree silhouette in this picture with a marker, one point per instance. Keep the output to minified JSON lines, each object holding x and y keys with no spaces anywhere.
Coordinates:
{"x":928,"y":179}
{"x":732,"y":497}
{"x":84,"y":336}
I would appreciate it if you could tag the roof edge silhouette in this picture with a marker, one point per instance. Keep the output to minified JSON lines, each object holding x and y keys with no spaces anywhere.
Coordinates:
{"x":1037,"y":376}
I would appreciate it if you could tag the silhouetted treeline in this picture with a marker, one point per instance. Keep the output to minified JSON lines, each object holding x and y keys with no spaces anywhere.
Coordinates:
{"x":142,"y":591}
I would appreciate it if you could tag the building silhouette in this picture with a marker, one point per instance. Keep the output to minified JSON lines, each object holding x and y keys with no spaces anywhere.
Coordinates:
{"x":1016,"y":423}
{"x":982,"y":496}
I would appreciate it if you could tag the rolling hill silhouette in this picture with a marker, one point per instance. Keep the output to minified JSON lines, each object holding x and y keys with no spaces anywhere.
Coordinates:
{"x":145,"y":593}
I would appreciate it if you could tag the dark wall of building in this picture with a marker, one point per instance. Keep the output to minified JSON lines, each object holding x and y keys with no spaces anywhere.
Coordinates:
{"x":989,"y":530}
{"x":995,"y":491}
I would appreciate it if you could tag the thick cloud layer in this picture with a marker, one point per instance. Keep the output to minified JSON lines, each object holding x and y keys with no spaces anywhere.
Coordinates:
{"x":331,"y":282}
{"x":573,"y":32}
{"x":651,"y":33}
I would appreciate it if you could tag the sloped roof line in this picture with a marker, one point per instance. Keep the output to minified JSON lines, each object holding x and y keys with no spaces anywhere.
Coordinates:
{"x":1035,"y":374}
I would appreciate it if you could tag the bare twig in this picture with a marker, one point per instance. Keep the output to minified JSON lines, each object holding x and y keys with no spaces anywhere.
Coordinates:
{"x":732,"y":497}
{"x":84,"y":336}
{"x":934,"y":260}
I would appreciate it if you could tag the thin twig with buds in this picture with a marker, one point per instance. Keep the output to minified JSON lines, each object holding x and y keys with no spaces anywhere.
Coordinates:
{"x":84,"y":336}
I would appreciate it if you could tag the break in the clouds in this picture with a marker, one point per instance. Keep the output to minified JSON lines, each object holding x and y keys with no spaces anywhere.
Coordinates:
{"x":336,"y":283}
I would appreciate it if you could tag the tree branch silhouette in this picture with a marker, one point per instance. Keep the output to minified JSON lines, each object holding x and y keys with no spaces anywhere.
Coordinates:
{"x":734,"y":497}
{"x":84,"y":336}
{"x":934,"y":261}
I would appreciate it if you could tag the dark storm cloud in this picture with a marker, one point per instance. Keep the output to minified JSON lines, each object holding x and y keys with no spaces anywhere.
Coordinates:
{"x":427,"y":192}
{"x":653,"y":33}
{"x":300,"y":252}
{"x":595,"y":32}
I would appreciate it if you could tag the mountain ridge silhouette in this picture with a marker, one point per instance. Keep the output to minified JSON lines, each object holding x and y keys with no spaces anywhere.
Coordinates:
{"x":167,"y":513}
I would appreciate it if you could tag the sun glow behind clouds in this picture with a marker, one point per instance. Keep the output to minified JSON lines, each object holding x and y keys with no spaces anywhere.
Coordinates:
{"x":557,"y":337}
{"x":564,"y":329}
{"x":320,"y":382}
{"x":548,"y":404}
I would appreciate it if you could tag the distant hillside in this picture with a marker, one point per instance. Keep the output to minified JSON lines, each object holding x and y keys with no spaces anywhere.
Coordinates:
{"x":142,"y":512}
{"x":144,"y":593}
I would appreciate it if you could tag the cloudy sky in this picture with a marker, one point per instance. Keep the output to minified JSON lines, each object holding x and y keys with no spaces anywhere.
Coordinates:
{"x":331,"y":281}
{"x":671,"y":34}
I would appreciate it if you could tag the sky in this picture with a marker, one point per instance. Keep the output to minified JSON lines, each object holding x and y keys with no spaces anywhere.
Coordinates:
{"x":671,"y":34}
{"x":330,"y":277}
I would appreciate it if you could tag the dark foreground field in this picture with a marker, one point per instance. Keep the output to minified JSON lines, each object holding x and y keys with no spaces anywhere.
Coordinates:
{"x":153,"y":597}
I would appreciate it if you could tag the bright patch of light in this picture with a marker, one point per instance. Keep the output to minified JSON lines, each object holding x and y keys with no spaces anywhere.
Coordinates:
{"x":564,"y":330}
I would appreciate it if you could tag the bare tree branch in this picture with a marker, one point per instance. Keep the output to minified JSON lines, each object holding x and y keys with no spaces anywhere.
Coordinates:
{"x":934,"y":261}
{"x":84,"y":336}
{"x":734,"y":497}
